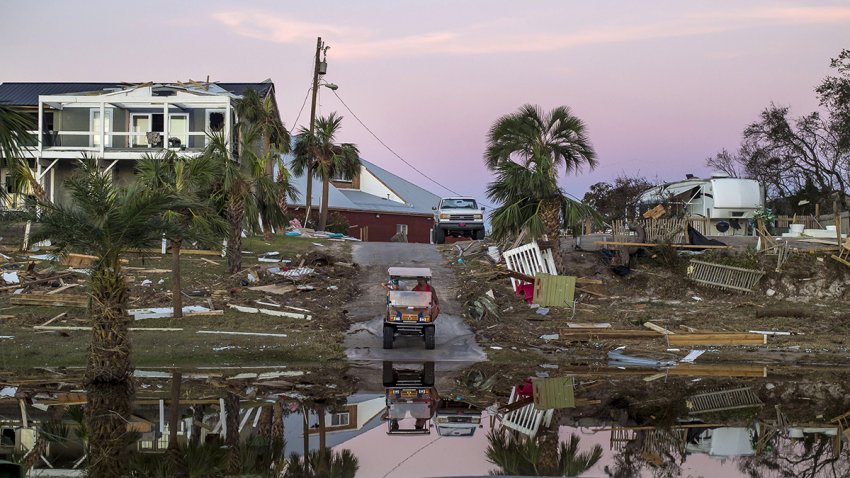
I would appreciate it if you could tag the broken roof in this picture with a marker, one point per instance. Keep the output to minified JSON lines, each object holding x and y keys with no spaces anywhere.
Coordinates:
{"x":26,"y":94}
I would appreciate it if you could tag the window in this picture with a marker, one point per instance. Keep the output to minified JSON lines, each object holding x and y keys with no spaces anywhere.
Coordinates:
{"x":340,"y":419}
{"x":140,"y":125}
{"x":339,"y":176}
{"x":215,"y":121}
{"x":178,"y":127}
{"x":459,"y":204}
{"x":94,"y":123}
{"x":401,"y":229}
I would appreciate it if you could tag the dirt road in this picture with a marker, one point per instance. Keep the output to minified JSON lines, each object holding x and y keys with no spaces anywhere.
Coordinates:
{"x":455,"y":342}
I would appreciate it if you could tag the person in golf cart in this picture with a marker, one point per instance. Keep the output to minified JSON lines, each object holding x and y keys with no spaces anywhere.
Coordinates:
{"x":422,"y":285}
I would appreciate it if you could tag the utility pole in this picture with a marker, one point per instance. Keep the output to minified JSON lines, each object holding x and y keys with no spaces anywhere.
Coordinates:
{"x":317,"y":70}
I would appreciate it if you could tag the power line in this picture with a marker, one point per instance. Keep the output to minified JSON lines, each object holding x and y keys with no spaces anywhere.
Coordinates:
{"x":391,"y":150}
{"x":302,"y":108}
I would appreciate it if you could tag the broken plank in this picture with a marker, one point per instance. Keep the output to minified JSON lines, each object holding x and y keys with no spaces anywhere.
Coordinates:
{"x":584,"y":335}
{"x":646,"y":244}
{"x":54,"y":319}
{"x":60,"y":289}
{"x":55,"y":300}
{"x":275,"y":313}
{"x":255,"y":334}
{"x":717,"y":338}
{"x":595,"y":294}
{"x":274,"y":289}
{"x":134,"y":329}
{"x":657,"y":328}
{"x":588,"y":325}
{"x":209,"y":261}
{"x":585,"y":280}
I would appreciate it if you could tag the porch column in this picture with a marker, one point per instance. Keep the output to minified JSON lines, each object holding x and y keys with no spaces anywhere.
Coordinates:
{"x":102,"y":127}
{"x":165,"y":125}
{"x":227,"y":124}
{"x":40,"y":134}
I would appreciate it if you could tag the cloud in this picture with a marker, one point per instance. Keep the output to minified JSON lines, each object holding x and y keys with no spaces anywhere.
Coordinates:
{"x":361,"y":43}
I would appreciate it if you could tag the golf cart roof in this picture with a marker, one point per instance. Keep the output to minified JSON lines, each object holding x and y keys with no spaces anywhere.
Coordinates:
{"x":409,"y":272}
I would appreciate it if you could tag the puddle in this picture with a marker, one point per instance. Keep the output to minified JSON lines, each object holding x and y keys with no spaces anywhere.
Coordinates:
{"x":410,"y":419}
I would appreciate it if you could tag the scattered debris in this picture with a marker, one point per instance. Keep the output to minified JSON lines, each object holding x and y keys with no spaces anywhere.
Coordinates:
{"x":168,"y":312}
{"x":274,"y":289}
{"x":542,"y":311}
{"x":550,"y":337}
{"x":657,"y":328}
{"x":276,"y":313}
{"x":692,"y":356}
{"x":723,"y":276}
{"x":717,"y":338}
{"x":55,"y":300}
{"x":255,"y":334}
{"x":11,"y":278}
{"x":616,"y":358}
{"x":588,"y":325}
{"x":297,"y":272}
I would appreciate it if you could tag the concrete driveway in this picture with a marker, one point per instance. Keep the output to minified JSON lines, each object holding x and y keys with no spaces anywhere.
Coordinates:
{"x":455,"y":342}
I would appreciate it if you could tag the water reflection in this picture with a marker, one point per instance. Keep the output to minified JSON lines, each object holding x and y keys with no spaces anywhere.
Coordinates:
{"x":426,"y":419}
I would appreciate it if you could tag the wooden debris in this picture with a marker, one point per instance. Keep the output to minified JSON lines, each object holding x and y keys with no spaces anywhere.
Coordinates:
{"x":657,"y":328}
{"x":133,"y":329}
{"x":54,"y":319}
{"x":209,"y":261}
{"x":646,"y":244}
{"x":274,"y":289}
{"x":255,"y":334}
{"x":55,"y":300}
{"x":723,"y":276}
{"x":585,"y":280}
{"x":585,"y":335}
{"x":655,"y":212}
{"x":717,"y":338}
{"x":588,"y":325}
{"x":62,"y":288}
{"x":723,"y":400}
{"x":37,"y":281}
{"x":275,"y":313}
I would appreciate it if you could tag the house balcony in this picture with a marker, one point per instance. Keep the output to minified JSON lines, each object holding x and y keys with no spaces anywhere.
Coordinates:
{"x":123,"y":125}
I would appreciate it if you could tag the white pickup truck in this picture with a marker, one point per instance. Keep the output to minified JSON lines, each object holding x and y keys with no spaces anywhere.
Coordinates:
{"x":458,"y":217}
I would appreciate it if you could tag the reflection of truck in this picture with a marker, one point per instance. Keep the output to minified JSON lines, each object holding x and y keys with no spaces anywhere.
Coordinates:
{"x":458,"y":217}
{"x":457,"y":419}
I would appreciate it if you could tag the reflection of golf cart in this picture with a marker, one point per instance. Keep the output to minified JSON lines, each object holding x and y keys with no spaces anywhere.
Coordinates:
{"x":411,"y":399}
{"x":408,"y":311}
{"x":456,"y":418}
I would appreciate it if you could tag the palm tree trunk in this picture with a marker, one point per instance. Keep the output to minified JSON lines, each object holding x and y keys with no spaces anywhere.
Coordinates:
{"x":281,"y":195}
{"x":264,"y":425}
{"x":109,"y":355}
{"x":174,"y":410}
{"x":277,"y":430}
{"x":309,"y":199}
{"x":176,"y":294}
{"x":107,"y":414}
{"x":197,"y":420}
{"x":550,"y":215}
{"x":323,"y":220}
{"x":235,"y":218}
{"x":549,"y":442}
{"x":234,"y":457}
{"x":305,"y":413}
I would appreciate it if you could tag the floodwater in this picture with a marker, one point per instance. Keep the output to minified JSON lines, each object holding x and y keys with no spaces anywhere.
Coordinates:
{"x":409,"y":419}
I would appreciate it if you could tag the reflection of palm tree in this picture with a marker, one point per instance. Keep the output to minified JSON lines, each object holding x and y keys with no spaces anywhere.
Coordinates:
{"x":341,"y":464}
{"x":518,"y":455}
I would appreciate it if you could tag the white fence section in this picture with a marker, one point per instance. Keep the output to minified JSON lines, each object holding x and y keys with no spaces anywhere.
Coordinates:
{"x":529,"y":260}
{"x":526,"y":420}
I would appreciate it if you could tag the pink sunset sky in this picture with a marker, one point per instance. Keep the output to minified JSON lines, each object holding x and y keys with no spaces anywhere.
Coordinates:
{"x":661,"y":84}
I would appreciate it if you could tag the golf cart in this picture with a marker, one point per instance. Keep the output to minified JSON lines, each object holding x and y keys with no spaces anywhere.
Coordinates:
{"x":408,"y":312}
{"x":411,"y":399}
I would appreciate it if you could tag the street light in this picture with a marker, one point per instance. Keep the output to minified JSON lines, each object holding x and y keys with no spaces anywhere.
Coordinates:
{"x":330,"y":86}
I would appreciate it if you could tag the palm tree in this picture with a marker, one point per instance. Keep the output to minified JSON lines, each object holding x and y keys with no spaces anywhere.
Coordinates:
{"x":15,"y":126}
{"x":243,"y":188}
{"x":262,"y":114}
{"x":107,"y":222}
{"x":329,"y":160}
{"x":526,"y":150}
{"x":191,"y":179}
{"x":516,"y":455}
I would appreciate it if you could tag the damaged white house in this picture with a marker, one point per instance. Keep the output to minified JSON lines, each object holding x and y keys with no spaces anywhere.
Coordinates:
{"x":728,"y":203}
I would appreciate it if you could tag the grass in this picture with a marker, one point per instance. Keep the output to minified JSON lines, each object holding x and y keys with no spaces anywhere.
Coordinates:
{"x":307,"y":341}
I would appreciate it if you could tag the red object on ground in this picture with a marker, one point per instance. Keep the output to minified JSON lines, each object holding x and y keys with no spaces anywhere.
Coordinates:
{"x":525,"y":390}
{"x":526,"y":290}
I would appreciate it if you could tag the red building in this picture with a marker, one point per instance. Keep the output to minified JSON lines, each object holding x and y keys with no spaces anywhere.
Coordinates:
{"x":377,"y":204}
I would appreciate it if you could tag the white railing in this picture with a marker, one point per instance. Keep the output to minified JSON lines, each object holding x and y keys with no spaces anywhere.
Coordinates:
{"x":526,"y":420}
{"x":528,"y":259}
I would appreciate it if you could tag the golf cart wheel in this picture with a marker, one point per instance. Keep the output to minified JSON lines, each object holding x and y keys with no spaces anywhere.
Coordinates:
{"x":388,"y":336}
{"x":429,"y":338}
{"x":428,"y":374}
{"x":388,"y":375}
